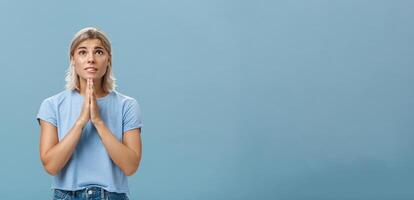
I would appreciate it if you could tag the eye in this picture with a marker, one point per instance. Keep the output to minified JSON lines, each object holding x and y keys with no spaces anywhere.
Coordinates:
{"x":82,"y":52}
{"x":99,"y":52}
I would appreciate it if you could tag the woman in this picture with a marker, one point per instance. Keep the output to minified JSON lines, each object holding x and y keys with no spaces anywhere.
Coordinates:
{"x":90,"y":134}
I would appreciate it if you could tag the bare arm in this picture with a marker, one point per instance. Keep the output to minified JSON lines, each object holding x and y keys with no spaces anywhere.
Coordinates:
{"x":126,"y":154}
{"x":55,"y":154}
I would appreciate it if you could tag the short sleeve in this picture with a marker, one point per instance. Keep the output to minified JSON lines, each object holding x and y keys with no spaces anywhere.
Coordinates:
{"x":47,"y":112}
{"x":131,"y":116}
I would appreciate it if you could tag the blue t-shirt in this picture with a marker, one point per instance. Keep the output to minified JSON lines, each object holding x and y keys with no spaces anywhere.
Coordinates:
{"x":90,"y":164}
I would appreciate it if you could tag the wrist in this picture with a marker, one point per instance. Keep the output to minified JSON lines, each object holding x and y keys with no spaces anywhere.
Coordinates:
{"x":81,"y":123}
{"x":97,"y":122}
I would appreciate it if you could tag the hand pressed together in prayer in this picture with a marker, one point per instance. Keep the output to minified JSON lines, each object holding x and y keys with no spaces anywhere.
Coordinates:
{"x":90,"y":109}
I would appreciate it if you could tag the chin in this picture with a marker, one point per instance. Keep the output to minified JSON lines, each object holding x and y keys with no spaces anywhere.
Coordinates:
{"x":92,"y":76}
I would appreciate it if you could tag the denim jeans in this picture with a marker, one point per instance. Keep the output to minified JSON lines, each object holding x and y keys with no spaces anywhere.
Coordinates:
{"x":91,"y":193}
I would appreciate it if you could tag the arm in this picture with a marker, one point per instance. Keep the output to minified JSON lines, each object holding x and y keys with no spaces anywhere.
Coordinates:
{"x":55,"y":154}
{"x":126,"y":154}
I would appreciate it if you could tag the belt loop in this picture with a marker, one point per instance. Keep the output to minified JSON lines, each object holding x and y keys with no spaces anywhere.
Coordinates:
{"x":102,"y":193}
{"x":53,"y":193}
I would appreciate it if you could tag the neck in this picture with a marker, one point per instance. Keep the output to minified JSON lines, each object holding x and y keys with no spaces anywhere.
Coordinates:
{"x":99,"y":92}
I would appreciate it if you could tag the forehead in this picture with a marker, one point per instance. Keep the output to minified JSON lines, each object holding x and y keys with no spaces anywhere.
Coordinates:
{"x":90,"y":43}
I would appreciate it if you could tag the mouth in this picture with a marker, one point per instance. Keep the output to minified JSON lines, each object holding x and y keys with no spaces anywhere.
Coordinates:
{"x":91,"y":69}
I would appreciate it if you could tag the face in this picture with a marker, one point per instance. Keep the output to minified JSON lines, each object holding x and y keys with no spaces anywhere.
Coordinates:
{"x":91,"y":59}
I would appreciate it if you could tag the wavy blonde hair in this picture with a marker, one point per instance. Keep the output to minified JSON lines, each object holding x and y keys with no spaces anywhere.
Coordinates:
{"x":72,"y":78}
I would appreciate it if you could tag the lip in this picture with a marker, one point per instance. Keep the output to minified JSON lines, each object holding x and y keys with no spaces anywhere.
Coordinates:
{"x":91,"y":69}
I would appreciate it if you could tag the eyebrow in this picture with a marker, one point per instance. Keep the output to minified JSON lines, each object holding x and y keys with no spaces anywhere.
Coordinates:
{"x":98,"y":47}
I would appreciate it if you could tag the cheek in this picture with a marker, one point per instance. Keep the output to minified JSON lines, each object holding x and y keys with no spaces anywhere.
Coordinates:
{"x":77,"y":63}
{"x":78,"y":68}
{"x":103,"y":71}
{"x":104,"y":66}
{"x":78,"y":71}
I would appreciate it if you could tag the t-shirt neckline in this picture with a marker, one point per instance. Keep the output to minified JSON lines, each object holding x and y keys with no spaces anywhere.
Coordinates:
{"x":98,"y":99}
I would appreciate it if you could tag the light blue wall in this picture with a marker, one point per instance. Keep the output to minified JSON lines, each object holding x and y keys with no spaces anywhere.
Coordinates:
{"x":295,"y":100}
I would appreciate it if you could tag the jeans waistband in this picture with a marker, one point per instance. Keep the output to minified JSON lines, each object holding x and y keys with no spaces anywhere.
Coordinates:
{"x":87,"y":193}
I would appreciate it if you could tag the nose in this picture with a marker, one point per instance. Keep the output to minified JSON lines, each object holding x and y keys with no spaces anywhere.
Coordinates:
{"x":91,"y":58}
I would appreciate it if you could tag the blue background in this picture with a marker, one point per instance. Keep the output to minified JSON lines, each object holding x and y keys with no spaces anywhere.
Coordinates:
{"x":240,"y":99}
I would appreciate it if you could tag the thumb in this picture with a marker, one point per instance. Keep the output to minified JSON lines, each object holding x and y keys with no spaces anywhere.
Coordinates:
{"x":90,"y":91}
{"x":87,"y":93}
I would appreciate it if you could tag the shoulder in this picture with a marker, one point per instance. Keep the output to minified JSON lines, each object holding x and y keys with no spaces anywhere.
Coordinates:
{"x":127,"y":104}
{"x":124,"y":99}
{"x":58,"y":98}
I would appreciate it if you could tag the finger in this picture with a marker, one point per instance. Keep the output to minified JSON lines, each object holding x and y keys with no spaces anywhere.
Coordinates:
{"x":91,"y":88}
{"x":89,"y":91}
{"x":89,"y":84}
{"x":92,"y":92}
{"x":91,"y":95}
{"x":86,"y":90}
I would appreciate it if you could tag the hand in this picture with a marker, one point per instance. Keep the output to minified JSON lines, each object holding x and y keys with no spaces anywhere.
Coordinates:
{"x":94,"y":108}
{"x":85,"y":113}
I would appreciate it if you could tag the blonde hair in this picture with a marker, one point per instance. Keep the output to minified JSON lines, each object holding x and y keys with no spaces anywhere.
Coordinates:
{"x":72,"y":79}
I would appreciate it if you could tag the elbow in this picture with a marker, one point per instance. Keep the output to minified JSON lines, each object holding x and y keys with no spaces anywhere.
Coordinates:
{"x":53,"y":173}
{"x":131,"y":171}
{"x":49,"y":168}
{"x":132,"y":168}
